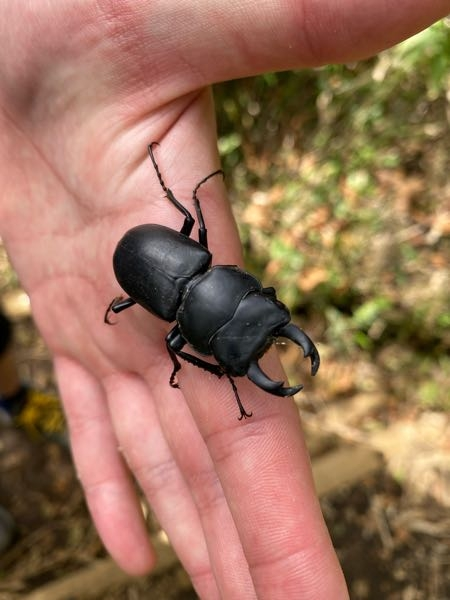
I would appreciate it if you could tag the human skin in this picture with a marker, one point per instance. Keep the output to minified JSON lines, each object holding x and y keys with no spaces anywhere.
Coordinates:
{"x":84,"y":87}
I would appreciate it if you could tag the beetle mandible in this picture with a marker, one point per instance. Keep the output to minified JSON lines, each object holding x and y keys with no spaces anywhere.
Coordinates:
{"x":220,"y":311}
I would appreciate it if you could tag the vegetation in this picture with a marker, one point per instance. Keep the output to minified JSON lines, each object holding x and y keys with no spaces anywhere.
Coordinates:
{"x":340,"y":183}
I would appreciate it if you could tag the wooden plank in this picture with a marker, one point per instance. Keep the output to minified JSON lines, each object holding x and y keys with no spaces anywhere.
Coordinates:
{"x":99,"y":576}
{"x":344,"y":466}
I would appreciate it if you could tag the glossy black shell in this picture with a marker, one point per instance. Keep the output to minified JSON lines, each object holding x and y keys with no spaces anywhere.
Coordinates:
{"x":221,"y":311}
{"x":225,"y":312}
{"x":249,"y":333}
{"x":210,"y":301}
{"x":153,"y":265}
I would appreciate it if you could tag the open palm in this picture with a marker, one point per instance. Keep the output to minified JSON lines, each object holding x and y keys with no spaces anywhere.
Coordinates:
{"x":84,"y":87}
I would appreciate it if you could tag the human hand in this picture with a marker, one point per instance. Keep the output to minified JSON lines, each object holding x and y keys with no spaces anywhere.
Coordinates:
{"x":84,"y":87}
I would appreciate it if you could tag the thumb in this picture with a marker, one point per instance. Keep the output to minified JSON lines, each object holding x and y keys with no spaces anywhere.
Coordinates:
{"x":226,"y":41}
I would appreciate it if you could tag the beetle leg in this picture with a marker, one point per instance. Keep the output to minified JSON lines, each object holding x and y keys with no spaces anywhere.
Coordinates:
{"x":175,"y":342}
{"x":244,"y":413}
{"x":176,"y":367}
{"x":117,"y":305}
{"x":202,"y":232}
{"x":294,"y":333}
{"x":171,"y":340}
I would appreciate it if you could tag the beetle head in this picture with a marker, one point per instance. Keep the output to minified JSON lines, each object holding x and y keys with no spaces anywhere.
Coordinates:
{"x":259,"y":319}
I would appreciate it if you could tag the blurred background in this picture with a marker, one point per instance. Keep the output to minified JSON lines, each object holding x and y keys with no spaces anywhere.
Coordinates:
{"x":339,"y":180}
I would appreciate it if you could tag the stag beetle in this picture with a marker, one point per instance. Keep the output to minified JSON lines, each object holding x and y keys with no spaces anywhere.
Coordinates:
{"x":220,"y":311}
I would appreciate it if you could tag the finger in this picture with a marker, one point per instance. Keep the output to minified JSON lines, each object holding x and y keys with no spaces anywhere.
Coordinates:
{"x":109,"y":490}
{"x":265,"y":474}
{"x":151,"y":460}
{"x":276,"y":35}
{"x":227,"y":558}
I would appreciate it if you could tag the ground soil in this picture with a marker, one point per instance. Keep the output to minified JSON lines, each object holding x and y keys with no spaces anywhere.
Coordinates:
{"x":393,"y":543}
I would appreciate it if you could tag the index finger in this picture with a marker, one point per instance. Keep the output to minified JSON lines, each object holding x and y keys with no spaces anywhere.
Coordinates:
{"x":263,"y":466}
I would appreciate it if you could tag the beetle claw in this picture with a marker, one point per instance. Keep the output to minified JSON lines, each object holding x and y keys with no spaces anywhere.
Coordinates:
{"x":259,"y":378}
{"x":288,"y":391}
{"x":299,"y":337}
{"x":257,"y":375}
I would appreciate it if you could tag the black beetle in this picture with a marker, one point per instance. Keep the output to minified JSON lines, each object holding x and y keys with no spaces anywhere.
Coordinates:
{"x":220,"y":311}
